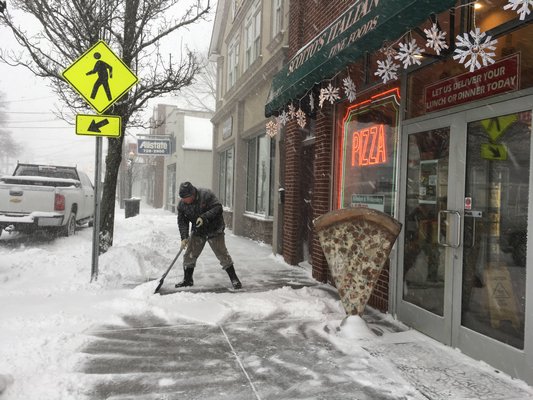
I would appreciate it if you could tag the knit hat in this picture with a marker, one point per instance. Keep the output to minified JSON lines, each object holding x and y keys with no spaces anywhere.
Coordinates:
{"x":186,"y":190}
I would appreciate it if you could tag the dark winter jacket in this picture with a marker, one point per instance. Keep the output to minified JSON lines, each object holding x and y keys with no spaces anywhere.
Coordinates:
{"x":205,"y":205}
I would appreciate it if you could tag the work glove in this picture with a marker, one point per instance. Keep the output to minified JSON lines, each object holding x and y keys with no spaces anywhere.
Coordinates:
{"x":199,"y":222}
{"x":184,"y":243}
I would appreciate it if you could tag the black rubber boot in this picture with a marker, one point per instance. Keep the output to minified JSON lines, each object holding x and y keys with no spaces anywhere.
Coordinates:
{"x":233,"y":277}
{"x":187,"y":278}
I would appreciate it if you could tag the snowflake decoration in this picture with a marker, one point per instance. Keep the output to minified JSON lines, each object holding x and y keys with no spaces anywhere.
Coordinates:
{"x":330,"y":93}
{"x":481,"y":48}
{"x":311,"y":102}
{"x":524,"y":7}
{"x":387,"y":70}
{"x":283,"y":118}
{"x":409,"y":53}
{"x":301,"y":118}
{"x":271,"y":128}
{"x":292,"y":112}
{"x":349,"y":88}
{"x":435,"y":39}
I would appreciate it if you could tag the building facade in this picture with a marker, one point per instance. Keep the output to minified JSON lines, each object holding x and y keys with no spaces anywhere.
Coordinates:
{"x":249,"y":45}
{"x":422,"y":110}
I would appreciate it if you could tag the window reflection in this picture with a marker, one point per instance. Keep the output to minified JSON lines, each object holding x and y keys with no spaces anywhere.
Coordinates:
{"x":427,"y":193}
{"x":495,"y":227}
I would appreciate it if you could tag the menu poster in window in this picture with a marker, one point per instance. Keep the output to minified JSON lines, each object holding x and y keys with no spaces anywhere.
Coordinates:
{"x":427,"y":192}
{"x":376,"y":202}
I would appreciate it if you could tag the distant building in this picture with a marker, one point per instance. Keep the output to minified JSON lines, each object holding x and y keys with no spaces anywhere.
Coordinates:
{"x":248,"y":44}
{"x":190,"y":137}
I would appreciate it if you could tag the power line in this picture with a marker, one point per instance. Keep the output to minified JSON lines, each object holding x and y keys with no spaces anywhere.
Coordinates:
{"x":39,"y":127}
{"x":31,"y":122}
{"x":30,"y":99}
{"x":27,"y":112}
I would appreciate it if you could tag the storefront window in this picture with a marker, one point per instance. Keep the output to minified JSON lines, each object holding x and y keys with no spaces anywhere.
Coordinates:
{"x":490,"y":13}
{"x":367,"y":153}
{"x":226,"y":178}
{"x":260,"y":164}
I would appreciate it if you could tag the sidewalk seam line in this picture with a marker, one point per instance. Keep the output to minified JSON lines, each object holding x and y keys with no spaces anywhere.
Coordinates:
{"x":240,"y":363}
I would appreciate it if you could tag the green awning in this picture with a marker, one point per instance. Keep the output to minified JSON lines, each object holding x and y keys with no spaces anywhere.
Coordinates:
{"x":364,"y":27}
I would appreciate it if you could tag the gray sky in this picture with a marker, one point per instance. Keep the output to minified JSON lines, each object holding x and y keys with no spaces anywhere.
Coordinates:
{"x":30,"y":105}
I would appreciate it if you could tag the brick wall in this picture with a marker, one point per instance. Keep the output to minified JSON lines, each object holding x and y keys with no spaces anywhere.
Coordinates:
{"x":292,"y":211}
{"x":257,"y":229}
{"x":307,"y":18}
{"x":322,"y":189}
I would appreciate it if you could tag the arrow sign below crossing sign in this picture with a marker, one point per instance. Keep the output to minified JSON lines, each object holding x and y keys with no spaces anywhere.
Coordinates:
{"x":98,"y":125}
{"x":100,"y":77}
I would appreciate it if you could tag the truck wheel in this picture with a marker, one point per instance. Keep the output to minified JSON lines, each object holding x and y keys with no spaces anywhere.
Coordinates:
{"x":70,"y":228}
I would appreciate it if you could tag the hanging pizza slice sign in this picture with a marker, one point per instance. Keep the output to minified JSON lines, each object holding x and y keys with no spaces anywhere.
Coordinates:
{"x":356,"y":243}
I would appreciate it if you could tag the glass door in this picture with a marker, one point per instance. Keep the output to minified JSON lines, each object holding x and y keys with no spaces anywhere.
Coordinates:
{"x":494,"y":279}
{"x":431,"y":234}
{"x":463,"y":266}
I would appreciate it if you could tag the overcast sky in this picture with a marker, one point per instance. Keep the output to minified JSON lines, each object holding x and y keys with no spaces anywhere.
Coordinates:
{"x":30,"y":105}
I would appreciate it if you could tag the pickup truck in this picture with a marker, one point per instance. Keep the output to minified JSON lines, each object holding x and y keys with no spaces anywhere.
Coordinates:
{"x":56,"y":198}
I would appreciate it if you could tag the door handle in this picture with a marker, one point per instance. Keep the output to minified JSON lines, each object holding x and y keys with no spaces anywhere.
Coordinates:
{"x":456,"y":227}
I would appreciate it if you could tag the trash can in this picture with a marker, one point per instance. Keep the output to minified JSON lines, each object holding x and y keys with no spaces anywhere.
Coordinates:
{"x":131,"y":207}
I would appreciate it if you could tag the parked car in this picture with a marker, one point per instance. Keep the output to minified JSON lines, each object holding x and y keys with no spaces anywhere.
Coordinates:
{"x":48,"y":197}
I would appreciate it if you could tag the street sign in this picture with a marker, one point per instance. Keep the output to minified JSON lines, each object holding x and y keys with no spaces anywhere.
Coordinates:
{"x":100,"y":76}
{"x":153,"y":147}
{"x":98,"y":125}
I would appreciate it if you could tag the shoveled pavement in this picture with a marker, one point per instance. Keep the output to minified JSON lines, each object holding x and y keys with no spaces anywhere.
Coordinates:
{"x":277,"y":358}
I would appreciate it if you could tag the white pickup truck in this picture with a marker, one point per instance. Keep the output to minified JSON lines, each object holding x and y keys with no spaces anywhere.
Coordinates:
{"x":48,"y":197}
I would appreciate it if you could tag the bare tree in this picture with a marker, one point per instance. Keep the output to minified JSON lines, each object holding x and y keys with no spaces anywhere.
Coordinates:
{"x":201,"y":95}
{"x":134,"y":29}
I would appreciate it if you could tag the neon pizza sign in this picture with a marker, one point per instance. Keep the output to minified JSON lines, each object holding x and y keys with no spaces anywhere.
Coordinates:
{"x":369,"y":146}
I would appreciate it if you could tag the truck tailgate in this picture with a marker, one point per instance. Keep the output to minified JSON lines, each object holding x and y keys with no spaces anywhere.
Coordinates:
{"x":25,"y":198}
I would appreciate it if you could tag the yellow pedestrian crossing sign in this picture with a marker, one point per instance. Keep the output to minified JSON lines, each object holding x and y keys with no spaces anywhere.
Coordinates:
{"x":98,"y":125}
{"x":100,"y":76}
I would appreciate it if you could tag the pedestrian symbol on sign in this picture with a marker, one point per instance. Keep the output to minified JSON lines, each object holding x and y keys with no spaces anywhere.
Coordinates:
{"x":101,"y":68}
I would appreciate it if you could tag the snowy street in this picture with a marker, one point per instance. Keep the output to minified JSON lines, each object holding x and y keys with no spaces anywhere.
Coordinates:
{"x":283,"y":336}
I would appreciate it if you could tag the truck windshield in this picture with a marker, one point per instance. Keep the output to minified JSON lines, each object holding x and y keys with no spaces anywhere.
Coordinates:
{"x":48,"y":172}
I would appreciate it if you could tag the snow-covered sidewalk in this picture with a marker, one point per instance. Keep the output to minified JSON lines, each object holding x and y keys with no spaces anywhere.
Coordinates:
{"x":283,"y":336}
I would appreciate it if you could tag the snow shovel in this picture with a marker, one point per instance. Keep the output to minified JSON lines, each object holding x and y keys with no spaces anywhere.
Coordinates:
{"x":166,"y":272}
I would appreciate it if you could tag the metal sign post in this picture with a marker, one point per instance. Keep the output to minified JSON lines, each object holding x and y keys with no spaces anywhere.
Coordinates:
{"x":96,"y":222}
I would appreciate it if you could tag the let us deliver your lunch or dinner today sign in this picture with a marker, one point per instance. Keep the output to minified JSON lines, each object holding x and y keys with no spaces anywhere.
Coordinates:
{"x":500,"y":77}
